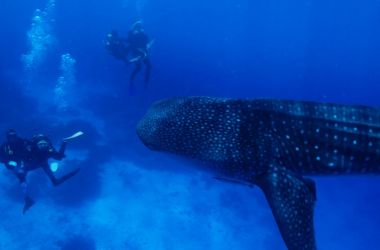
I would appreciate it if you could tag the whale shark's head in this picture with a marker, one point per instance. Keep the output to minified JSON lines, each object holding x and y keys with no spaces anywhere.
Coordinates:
{"x":202,"y":128}
{"x":160,"y":125}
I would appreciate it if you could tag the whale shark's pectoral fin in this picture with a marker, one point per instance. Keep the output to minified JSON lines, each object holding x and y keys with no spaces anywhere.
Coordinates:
{"x":291,"y":199}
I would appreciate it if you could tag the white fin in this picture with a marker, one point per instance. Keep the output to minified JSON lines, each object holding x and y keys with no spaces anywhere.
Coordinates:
{"x":77,"y":134}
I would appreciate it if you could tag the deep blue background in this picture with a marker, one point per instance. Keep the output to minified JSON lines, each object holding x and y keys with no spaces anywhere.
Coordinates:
{"x":300,"y":49}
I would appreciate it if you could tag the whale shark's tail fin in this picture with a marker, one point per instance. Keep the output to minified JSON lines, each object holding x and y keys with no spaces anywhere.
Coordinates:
{"x":291,"y":199}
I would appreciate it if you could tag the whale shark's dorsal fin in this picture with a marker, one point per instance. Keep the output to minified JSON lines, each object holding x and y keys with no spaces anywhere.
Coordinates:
{"x":292,"y":200}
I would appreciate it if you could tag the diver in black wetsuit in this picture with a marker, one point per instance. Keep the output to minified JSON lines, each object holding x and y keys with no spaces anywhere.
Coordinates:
{"x":21,"y":156}
{"x":14,"y":151}
{"x":134,"y":49}
{"x":138,"y":45}
{"x":117,"y":46}
{"x":41,"y":151}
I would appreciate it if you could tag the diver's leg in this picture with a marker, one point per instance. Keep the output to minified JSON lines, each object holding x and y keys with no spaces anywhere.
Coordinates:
{"x":133,"y":75}
{"x":28,"y":201}
{"x":24,"y":186}
{"x":148,"y":67}
{"x":21,"y":175}
{"x":57,"y":181}
{"x":67,"y":176}
{"x":50,"y":174}
{"x":136,"y":70}
{"x":126,"y":51}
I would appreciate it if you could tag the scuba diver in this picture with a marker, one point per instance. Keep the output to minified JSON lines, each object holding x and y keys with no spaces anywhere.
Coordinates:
{"x":21,"y":156}
{"x":139,"y":45}
{"x":14,"y":151}
{"x":134,"y":49}
{"x":41,"y":151}
{"x":117,"y":46}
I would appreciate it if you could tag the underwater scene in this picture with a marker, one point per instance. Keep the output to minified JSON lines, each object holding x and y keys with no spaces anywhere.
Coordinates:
{"x":186,"y":125}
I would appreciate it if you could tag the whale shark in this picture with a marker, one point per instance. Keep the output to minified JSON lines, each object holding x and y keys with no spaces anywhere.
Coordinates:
{"x":276,"y":145}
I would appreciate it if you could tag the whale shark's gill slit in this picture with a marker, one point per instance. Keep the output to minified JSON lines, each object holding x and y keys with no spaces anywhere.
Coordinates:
{"x":314,"y":145}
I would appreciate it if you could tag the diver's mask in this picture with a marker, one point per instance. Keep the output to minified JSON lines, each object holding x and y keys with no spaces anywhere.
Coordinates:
{"x":43,"y":145}
{"x":11,"y":136}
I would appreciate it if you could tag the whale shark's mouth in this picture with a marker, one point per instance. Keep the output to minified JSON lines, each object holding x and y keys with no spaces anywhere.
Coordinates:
{"x":146,"y":133}
{"x":156,"y":123}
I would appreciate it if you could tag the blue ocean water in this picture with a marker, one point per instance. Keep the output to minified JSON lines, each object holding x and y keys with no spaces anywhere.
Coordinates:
{"x":56,"y":77}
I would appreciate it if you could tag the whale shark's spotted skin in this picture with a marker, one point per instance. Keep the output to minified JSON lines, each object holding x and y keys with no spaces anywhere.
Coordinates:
{"x":270,"y":143}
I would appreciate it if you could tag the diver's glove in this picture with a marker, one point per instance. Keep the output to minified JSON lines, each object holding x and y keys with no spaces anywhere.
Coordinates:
{"x":11,"y":165}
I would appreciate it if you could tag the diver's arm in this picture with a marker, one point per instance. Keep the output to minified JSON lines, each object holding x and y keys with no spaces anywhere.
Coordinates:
{"x":2,"y":154}
{"x":150,"y":43}
{"x":60,"y":154}
{"x":9,"y":164}
{"x":62,"y":148}
{"x":147,"y":41}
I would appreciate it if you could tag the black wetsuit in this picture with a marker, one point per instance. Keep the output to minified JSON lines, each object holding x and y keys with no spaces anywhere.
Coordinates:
{"x":14,"y":154}
{"x":138,"y":43}
{"x":23,"y":156}
{"x":117,"y":47}
{"x":39,"y":158}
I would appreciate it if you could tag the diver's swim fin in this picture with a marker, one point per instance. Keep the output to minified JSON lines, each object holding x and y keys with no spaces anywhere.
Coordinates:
{"x":28,"y":203}
{"x":292,"y":200}
{"x":77,"y":134}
